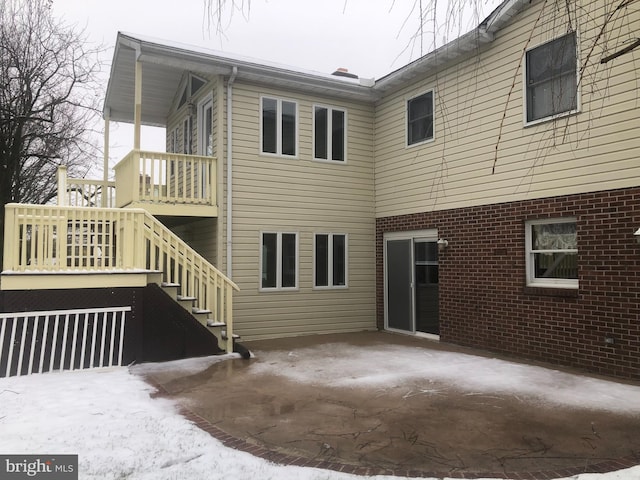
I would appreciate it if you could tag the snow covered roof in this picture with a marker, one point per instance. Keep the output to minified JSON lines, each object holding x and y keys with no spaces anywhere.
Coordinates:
{"x":164,"y":63}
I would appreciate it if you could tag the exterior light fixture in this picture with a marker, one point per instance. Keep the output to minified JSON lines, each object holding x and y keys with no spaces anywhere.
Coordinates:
{"x":442,"y":244}
{"x":637,"y":235}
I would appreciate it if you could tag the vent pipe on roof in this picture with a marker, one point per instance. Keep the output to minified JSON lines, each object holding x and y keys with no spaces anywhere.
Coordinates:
{"x":343,"y":72}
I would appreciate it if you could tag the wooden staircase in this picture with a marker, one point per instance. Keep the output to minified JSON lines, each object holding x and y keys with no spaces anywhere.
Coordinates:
{"x":204,"y":316}
{"x":79,"y":247}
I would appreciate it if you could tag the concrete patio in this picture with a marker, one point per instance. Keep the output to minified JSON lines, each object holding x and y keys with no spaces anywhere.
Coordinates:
{"x":289,"y":404}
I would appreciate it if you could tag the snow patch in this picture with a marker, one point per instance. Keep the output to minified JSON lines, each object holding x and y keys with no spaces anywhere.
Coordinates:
{"x":345,"y":366}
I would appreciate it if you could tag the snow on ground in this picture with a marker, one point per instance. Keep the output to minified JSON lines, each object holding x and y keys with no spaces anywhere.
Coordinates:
{"x":393,"y":366}
{"x":109,"y":419}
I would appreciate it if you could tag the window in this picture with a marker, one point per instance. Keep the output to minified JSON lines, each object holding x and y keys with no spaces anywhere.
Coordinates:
{"x":552,"y":253}
{"x":551,"y":78}
{"x":196,"y":84}
{"x":420,"y":119}
{"x":279,"y":261}
{"x":186,"y":136}
{"x":329,"y":130}
{"x":330,"y":260}
{"x":173,"y":141}
{"x":205,"y":127}
{"x":191,"y":86}
{"x":279,"y":127}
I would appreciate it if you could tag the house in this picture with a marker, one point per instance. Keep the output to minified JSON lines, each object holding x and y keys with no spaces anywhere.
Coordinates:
{"x":486,"y":194}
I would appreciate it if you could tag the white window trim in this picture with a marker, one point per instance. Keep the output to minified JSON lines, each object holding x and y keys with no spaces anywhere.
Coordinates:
{"x":329,"y":109}
{"x":568,"y":283}
{"x":279,"y":153}
{"x":201,"y":123}
{"x":279,"y":287}
{"x":407,"y":99}
{"x":578,"y":108}
{"x":330,"y":263}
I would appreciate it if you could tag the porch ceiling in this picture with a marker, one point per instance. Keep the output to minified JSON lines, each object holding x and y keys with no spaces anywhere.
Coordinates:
{"x":159,"y":84}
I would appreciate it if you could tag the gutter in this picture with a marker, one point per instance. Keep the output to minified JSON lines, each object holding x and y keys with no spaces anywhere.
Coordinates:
{"x":229,"y":222}
{"x":481,"y":35}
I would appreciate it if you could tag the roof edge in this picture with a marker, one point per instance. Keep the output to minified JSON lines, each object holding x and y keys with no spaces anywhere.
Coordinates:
{"x":249,"y":68}
{"x":483,"y":34}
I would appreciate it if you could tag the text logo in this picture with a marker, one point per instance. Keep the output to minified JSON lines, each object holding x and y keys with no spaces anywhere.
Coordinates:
{"x":50,"y":467}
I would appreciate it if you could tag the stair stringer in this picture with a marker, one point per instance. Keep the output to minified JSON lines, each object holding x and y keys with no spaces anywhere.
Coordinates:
{"x":170,"y":332}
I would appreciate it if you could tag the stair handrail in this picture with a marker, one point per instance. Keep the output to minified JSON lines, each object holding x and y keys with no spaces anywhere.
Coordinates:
{"x":198,"y":278}
{"x":47,"y":238}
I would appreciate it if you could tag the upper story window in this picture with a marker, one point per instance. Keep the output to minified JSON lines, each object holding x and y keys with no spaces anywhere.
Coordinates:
{"x":551,"y":78}
{"x":329,"y":134}
{"x":173,"y":141}
{"x":552,"y":253}
{"x":186,"y":136}
{"x":192,"y":84}
{"x":330,"y":260}
{"x":205,"y":127}
{"x":279,"y":125}
{"x":279,"y":261}
{"x":420,"y":118}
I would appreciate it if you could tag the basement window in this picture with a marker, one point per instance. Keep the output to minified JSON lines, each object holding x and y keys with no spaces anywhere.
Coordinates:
{"x":552,"y":253}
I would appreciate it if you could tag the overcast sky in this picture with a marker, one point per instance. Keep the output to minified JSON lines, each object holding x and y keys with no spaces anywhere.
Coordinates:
{"x":369,"y":37}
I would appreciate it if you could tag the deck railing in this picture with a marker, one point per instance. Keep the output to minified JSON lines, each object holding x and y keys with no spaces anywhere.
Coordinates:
{"x":80,"y":192}
{"x":144,"y":176}
{"x":59,"y":239}
{"x":43,"y":341}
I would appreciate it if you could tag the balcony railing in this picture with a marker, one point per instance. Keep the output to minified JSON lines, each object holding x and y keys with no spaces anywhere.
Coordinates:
{"x":69,"y":239}
{"x":80,"y":192}
{"x":165,"y":178}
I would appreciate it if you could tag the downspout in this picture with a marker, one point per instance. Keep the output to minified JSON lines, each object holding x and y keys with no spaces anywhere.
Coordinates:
{"x":232,"y":79}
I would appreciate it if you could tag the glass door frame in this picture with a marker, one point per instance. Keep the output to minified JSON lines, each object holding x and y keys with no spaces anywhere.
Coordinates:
{"x":430,"y":235}
{"x":204,"y":105}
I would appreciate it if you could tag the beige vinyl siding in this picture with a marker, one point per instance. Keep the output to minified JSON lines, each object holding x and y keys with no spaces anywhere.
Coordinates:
{"x":594,"y":149}
{"x":176,"y":117}
{"x":201,"y":235}
{"x":284,"y":194}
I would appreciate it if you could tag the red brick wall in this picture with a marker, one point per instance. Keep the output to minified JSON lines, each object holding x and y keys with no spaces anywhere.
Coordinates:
{"x":485,"y":303}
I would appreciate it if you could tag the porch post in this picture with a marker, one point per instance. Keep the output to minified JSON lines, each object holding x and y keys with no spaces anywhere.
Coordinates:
{"x":105,"y":167}
{"x":107,"y":200}
{"x":137,"y":112}
{"x":62,"y":186}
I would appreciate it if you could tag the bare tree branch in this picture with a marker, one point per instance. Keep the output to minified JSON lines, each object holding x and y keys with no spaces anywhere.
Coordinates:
{"x":48,"y":102}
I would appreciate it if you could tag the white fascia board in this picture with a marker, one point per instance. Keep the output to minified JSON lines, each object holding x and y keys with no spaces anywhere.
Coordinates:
{"x":503,"y":13}
{"x":303,"y":82}
{"x":481,"y":35}
{"x":435,"y":59}
{"x":184,"y":64}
